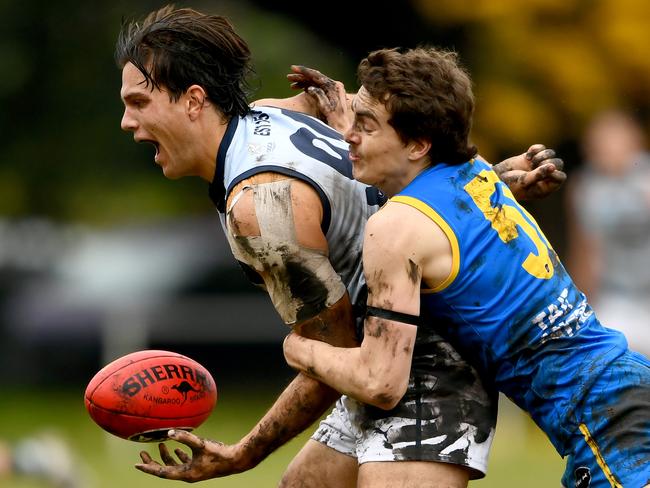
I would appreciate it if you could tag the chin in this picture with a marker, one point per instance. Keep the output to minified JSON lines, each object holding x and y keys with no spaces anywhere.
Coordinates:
{"x":169,"y":173}
{"x":357,"y":174}
{"x":173,"y":172}
{"x":360,"y":176}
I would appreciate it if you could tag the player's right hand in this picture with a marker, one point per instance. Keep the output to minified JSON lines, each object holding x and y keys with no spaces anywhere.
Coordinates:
{"x":329,"y":95}
{"x":209,"y":459}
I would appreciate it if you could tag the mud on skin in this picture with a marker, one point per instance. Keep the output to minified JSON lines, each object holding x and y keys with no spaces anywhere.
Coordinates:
{"x":413,"y":272}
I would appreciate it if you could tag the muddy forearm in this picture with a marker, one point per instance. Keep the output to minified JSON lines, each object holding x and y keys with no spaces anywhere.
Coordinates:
{"x":304,"y":400}
{"x":300,"y":405}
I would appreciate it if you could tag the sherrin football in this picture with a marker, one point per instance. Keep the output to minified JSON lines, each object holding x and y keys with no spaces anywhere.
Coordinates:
{"x":142,"y":395}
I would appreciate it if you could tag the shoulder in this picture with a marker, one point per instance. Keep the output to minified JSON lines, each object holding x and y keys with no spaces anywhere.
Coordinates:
{"x":401,"y":231}
{"x":398,"y":219}
{"x":273,"y":199}
{"x":391,"y":214}
{"x":277,"y":185}
{"x":395,"y":228}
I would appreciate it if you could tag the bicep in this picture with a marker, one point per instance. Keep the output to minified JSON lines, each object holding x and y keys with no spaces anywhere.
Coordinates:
{"x":392,"y":269}
{"x":404,"y":249}
{"x":393,"y":275}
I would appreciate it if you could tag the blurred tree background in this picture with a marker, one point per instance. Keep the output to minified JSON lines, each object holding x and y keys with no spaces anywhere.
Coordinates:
{"x":63,"y":154}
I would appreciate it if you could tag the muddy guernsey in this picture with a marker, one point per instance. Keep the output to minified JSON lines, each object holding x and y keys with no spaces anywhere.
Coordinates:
{"x":446,"y":414}
{"x":510,"y":305}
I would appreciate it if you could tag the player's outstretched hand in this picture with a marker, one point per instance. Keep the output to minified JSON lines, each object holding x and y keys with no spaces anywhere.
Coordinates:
{"x":329,"y":95}
{"x":534,"y":174}
{"x":209,"y":459}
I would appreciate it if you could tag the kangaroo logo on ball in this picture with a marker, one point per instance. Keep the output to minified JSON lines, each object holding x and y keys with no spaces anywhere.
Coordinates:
{"x":132,"y":396}
{"x":184,"y":388}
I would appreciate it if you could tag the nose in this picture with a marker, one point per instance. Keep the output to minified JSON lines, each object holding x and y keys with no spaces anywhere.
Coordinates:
{"x":128,"y":123}
{"x":351,"y":136}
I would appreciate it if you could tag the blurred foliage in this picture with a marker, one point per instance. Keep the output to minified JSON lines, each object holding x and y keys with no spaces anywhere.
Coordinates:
{"x":63,"y":154}
{"x":541,"y":69}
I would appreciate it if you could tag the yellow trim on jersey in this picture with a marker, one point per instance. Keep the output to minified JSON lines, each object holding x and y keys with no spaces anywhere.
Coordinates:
{"x":435,"y":216}
{"x":599,"y":457}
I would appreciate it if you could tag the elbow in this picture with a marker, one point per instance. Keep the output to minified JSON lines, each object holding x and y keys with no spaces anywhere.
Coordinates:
{"x":386,"y":394}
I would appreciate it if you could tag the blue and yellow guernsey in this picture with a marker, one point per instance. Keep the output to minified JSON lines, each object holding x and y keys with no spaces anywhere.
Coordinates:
{"x":508,"y":304}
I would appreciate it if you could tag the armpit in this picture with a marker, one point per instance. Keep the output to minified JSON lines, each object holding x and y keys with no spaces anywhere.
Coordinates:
{"x":300,"y":281}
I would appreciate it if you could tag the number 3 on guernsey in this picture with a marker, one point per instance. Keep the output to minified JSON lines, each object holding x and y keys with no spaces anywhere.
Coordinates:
{"x":507,"y":218}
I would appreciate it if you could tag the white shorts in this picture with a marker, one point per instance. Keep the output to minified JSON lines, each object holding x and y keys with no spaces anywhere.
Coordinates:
{"x":445,"y":416}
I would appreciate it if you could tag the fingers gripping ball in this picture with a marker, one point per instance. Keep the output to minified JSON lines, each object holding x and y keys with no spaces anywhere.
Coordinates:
{"x":142,"y":395}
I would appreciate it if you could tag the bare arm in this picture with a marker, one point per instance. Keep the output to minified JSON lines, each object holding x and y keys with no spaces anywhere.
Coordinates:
{"x":298,"y":103}
{"x":305,"y":399}
{"x":377,"y":372}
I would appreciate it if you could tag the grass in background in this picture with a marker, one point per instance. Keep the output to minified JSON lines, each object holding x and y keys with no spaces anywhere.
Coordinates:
{"x":521,"y":455}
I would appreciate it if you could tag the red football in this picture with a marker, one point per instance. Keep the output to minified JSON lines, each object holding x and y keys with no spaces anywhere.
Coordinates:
{"x":142,"y":395}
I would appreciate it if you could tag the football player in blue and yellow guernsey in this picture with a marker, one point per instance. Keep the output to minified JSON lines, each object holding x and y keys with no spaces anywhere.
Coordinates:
{"x":453,"y":250}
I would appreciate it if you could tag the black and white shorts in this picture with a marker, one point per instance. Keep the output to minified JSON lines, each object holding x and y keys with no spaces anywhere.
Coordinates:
{"x":446,"y":415}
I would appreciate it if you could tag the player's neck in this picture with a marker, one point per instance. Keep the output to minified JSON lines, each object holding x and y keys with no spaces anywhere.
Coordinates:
{"x":212,"y":135}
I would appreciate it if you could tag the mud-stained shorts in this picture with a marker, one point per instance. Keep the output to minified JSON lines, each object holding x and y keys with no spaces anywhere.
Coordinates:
{"x":445,"y":416}
{"x":611,"y":442}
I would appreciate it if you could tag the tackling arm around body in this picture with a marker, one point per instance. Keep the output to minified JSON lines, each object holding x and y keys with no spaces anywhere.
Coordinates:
{"x":377,"y":372}
{"x":273,"y":221}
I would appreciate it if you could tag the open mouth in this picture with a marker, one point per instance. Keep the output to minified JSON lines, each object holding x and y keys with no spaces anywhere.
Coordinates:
{"x":155,"y":144}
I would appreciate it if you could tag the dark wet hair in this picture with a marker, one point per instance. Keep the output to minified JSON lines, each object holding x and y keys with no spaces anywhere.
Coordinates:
{"x":428,"y":96}
{"x":177,"y":48}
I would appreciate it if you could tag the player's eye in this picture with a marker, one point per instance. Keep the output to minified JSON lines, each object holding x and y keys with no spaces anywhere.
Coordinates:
{"x":361,"y":125}
{"x":138,"y":103}
{"x":366,"y":126}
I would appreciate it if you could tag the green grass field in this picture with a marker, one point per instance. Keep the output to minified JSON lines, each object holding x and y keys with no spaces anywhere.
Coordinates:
{"x":521,"y":455}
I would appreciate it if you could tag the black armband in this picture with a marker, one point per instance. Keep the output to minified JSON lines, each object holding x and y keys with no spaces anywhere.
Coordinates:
{"x":382,"y":313}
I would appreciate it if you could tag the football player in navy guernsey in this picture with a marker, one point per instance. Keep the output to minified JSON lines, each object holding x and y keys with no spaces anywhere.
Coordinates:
{"x":453,"y":250}
{"x":282,"y":183}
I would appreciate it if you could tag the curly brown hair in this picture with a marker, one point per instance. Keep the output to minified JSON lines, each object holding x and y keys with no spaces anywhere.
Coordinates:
{"x":428,"y":96}
{"x":176,"y":48}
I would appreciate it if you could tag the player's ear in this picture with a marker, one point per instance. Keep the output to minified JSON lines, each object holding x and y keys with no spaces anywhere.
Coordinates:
{"x":418,"y":148}
{"x":196,"y":99}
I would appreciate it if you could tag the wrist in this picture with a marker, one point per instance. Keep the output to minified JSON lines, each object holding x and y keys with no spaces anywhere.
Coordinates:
{"x":299,"y":352}
{"x":289,"y":348}
{"x":243,"y":457}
